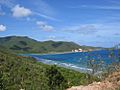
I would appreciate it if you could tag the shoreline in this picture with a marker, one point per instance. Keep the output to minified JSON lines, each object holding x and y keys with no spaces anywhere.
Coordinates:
{"x":68,"y":65}
{"x":50,"y":53}
{"x":64,"y":65}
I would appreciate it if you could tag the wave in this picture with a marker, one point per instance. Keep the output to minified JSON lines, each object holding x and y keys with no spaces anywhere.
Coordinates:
{"x":66,"y":65}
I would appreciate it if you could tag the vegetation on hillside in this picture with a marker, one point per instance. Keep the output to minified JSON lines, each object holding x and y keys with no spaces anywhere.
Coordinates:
{"x":27,"y":45}
{"x":18,"y":72}
{"x":109,"y":73}
{"x":55,"y":79}
{"x":105,"y":69}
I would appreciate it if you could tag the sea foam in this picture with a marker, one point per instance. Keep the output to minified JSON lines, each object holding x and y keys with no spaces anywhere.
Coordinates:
{"x":66,"y":65}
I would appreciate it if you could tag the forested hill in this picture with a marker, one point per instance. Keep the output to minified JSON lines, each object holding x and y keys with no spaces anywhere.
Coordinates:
{"x":17,"y":72}
{"x":28,"y":45}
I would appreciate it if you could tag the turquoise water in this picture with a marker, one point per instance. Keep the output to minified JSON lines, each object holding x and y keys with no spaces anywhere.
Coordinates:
{"x":78,"y":60}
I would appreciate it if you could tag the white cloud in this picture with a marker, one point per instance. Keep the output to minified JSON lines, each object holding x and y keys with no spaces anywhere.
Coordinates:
{"x":82,"y":29}
{"x":46,"y":16}
{"x":2,"y":28}
{"x":51,"y":37}
{"x":21,"y":11}
{"x":44,"y":10}
{"x":55,"y":38}
{"x":42,"y":7}
{"x":44,"y":26}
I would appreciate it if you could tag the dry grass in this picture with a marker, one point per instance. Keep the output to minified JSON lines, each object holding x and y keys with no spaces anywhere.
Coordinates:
{"x":112,"y":82}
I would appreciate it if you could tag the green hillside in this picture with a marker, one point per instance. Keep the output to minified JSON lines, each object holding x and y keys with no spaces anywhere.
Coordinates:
{"x":25,"y":44}
{"x":28,"y":45}
{"x":17,"y":72}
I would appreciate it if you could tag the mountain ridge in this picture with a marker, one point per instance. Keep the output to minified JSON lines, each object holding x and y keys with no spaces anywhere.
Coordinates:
{"x":24,"y":44}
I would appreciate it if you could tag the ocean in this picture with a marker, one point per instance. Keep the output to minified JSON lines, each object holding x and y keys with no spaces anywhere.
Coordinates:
{"x":78,"y":60}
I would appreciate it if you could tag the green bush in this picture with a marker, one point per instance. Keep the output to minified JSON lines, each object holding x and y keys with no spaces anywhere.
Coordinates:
{"x":55,"y":79}
{"x":17,"y":72}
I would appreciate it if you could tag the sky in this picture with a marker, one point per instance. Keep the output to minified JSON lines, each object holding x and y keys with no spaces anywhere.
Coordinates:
{"x":85,"y":22}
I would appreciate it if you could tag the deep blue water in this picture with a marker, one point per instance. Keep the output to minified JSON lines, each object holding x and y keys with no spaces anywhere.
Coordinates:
{"x":78,"y":60}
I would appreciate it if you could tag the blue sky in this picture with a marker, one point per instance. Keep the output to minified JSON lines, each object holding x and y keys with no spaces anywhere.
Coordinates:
{"x":86,"y":22}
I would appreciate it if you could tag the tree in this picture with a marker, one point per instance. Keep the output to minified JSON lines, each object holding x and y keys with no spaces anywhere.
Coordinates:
{"x":55,"y":79}
{"x":95,"y":65}
{"x":2,"y":85}
{"x":115,"y":56}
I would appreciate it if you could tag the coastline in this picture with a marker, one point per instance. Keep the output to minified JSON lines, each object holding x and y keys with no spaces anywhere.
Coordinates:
{"x":68,"y":65}
{"x":64,"y":65}
{"x":50,"y":53}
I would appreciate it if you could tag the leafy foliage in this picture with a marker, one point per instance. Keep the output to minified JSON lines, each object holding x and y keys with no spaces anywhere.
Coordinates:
{"x":18,"y":72}
{"x":55,"y":79}
{"x":115,"y":56}
{"x":27,"y":45}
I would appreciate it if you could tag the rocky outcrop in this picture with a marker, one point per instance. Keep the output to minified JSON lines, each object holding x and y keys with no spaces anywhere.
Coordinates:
{"x":112,"y":82}
{"x":96,"y":86}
